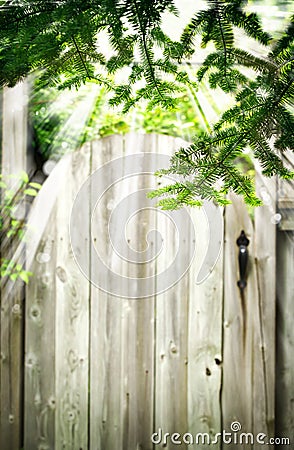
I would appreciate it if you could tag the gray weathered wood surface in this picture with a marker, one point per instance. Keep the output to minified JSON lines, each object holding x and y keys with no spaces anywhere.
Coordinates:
{"x":205,"y":358}
{"x":105,"y":372}
{"x":285,"y":336}
{"x":13,"y":161}
{"x":285,"y":307}
{"x":249,"y":325}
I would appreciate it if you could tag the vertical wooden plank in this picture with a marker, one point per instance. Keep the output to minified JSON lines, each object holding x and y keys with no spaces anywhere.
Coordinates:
{"x":285,"y":307}
{"x":72,"y":314}
{"x":122,"y":329}
{"x":171,"y":354}
{"x":13,"y":160}
{"x":137,"y":373}
{"x":14,"y":129}
{"x":11,"y":363}
{"x":40,"y":394}
{"x":285,"y":336}
{"x":238,"y":345}
{"x":138,"y":313}
{"x":205,"y":340}
{"x":265,"y":259}
{"x":171,"y":364}
{"x":105,"y":327}
{"x":41,"y":303}
{"x":248,"y":339}
{"x":56,"y":388}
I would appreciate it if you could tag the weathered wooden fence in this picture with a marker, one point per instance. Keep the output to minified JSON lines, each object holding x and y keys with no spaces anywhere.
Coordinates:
{"x":106,"y":372}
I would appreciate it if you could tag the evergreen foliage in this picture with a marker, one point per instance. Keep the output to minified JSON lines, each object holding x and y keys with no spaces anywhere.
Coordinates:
{"x":63,"y":39}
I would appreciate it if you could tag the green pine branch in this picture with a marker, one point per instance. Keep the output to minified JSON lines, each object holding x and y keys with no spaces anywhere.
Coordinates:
{"x":62,"y":40}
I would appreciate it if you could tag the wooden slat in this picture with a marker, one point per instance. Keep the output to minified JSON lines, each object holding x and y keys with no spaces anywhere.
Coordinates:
{"x":14,"y":129}
{"x":265,"y":259}
{"x":138,"y":313}
{"x":122,"y":343}
{"x":105,"y":332}
{"x":72,"y":314}
{"x":171,"y":362}
{"x":249,"y":328}
{"x":41,"y":306}
{"x":138,"y":373}
{"x":238,"y":343}
{"x":205,"y":337}
{"x":285,"y":307}
{"x":171,"y":410}
{"x":56,"y":391}
{"x":11,"y":363}
{"x":285,"y":336}
{"x":13,"y":161}
{"x":285,"y":195}
{"x":40,"y":394}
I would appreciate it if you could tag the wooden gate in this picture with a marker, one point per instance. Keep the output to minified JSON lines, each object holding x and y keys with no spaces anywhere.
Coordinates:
{"x":104,"y":372}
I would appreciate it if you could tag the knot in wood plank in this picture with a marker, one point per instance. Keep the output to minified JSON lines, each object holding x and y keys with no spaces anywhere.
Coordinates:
{"x":61,"y":273}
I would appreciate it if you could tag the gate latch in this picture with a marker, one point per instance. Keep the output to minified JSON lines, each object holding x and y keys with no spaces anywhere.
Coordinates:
{"x":242,"y":243}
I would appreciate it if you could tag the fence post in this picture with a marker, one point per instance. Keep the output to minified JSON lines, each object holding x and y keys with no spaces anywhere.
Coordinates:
{"x":13,"y":161}
{"x":285,"y":307}
{"x":249,"y":321}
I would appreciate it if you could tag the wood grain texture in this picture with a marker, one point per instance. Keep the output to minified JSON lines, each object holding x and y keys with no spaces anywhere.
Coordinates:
{"x":238,"y":344}
{"x":14,"y":129}
{"x":249,"y":330}
{"x":171,"y":352}
{"x":40,"y":315}
{"x":72,"y":314}
{"x":13,"y":161}
{"x":105,"y":329}
{"x":57,"y":316}
{"x":122,"y":336}
{"x":285,"y":296}
{"x":42,"y":309}
{"x":138,"y":313}
{"x":104,"y":372}
{"x":266,"y":271}
{"x":205,"y":340}
{"x":40,"y":349}
{"x":285,"y":336}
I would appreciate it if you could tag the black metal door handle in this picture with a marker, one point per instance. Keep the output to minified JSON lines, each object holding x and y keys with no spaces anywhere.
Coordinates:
{"x":242,"y":243}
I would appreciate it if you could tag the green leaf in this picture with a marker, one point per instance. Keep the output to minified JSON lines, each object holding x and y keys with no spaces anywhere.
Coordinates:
{"x":25,"y":276}
{"x":15,"y":223}
{"x":35,"y":185}
{"x":31,"y":192}
{"x":20,"y":233}
{"x":14,"y":276}
{"x":24,"y":177}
